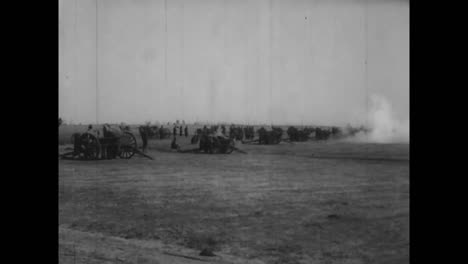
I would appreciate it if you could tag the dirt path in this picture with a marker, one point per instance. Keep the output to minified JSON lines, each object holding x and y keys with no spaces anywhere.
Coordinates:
{"x":77,"y":247}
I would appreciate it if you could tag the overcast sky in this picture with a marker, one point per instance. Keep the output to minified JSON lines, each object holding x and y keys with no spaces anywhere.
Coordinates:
{"x":281,"y":62}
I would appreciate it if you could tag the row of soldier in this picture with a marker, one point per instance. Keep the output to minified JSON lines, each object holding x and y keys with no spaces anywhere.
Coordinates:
{"x":239,"y":133}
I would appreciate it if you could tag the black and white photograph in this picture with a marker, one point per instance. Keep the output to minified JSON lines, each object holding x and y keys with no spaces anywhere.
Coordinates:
{"x":234,"y":131}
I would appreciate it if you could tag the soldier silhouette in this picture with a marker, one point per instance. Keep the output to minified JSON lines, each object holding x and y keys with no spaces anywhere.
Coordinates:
{"x":144,"y":137}
{"x":174,"y":145}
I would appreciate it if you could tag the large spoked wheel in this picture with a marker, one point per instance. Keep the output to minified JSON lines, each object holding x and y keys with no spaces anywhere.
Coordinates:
{"x":89,"y":145}
{"x":128,"y":145}
{"x":230,"y":147}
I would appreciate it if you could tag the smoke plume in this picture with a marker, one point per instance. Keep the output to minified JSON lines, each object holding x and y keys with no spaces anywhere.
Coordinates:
{"x":382,"y":124}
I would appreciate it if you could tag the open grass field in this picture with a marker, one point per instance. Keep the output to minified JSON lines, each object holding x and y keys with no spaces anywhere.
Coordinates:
{"x":309,"y":202}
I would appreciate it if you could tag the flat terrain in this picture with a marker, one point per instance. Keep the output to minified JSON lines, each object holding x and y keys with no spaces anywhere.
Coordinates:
{"x":309,"y":202}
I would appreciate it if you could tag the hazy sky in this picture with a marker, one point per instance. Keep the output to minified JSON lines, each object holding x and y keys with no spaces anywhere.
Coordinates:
{"x":297,"y":61}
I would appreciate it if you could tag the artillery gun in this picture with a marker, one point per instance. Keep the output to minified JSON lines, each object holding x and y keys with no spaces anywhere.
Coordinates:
{"x":114,"y":143}
{"x":249,"y":132}
{"x":213,"y":144}
{"x":196,"y":138}
{"x":296,"y":134}
{"x":272,"y":137}
{"x":268,"y":137}
{"x":216,"y":144}
{"x":322,"y":133}
{"x":236,"y":133}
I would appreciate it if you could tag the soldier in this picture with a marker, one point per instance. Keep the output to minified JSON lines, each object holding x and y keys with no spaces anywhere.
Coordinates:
{"x":262,"y":136}
{"x":174,"y":145}
{"x":186,"y":131}
{"x":161,"y":132}
{"x":206,"y":144}
{"x":109,"y":151}
{"x":174,"y":131}
{"x":76,"y":144}
{"x":144,"y":137}
{"x":96,"y":133}
{"x":219,"y":133}
{"x":223,"y":130}
{"x":180,"y":131}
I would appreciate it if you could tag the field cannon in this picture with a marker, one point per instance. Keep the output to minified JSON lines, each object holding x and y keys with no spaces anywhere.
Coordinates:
{"x":196,"y":138}
{"x":164,"y":132}
{"x":322,"y":133}
{"x":336,"y":132}
{"x":296,"y":134}
{"x":249,"y":132}
{"x":216,"y":144}
{"x":212,"y":144}
{"x":267,"y":137}
{"x":270,"y":137}
{"x":236,"y":133}
{"x":352,"y":131}
{"x":114,"y":143}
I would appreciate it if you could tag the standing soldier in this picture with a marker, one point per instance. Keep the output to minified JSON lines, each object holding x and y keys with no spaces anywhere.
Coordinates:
{"x":180,"y":131}
{"x":223,"y":130}
{"x":174,"y":131}
{"x":161,"y":132}
{"x":174,"y":145}
{"x":144,"y":137}
{"x":186,"y":131}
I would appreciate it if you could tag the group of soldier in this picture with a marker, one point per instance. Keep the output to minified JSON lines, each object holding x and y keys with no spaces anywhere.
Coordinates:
{"x":147,"y":132}
{"x":221,"y":132}
{"x":174,"y":130}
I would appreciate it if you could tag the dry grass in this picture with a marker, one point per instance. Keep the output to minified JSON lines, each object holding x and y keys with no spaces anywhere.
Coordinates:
{"x":275,"y":203}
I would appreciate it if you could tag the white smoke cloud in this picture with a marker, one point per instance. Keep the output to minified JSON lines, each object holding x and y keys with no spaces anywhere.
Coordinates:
{"x":383,"y":125}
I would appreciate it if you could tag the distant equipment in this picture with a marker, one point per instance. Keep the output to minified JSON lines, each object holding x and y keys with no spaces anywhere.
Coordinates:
{"x":213,"y":144}
{"x":114,"y":143}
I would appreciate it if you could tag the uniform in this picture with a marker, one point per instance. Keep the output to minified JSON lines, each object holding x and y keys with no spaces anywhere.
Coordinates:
{"x":144,"y":137}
